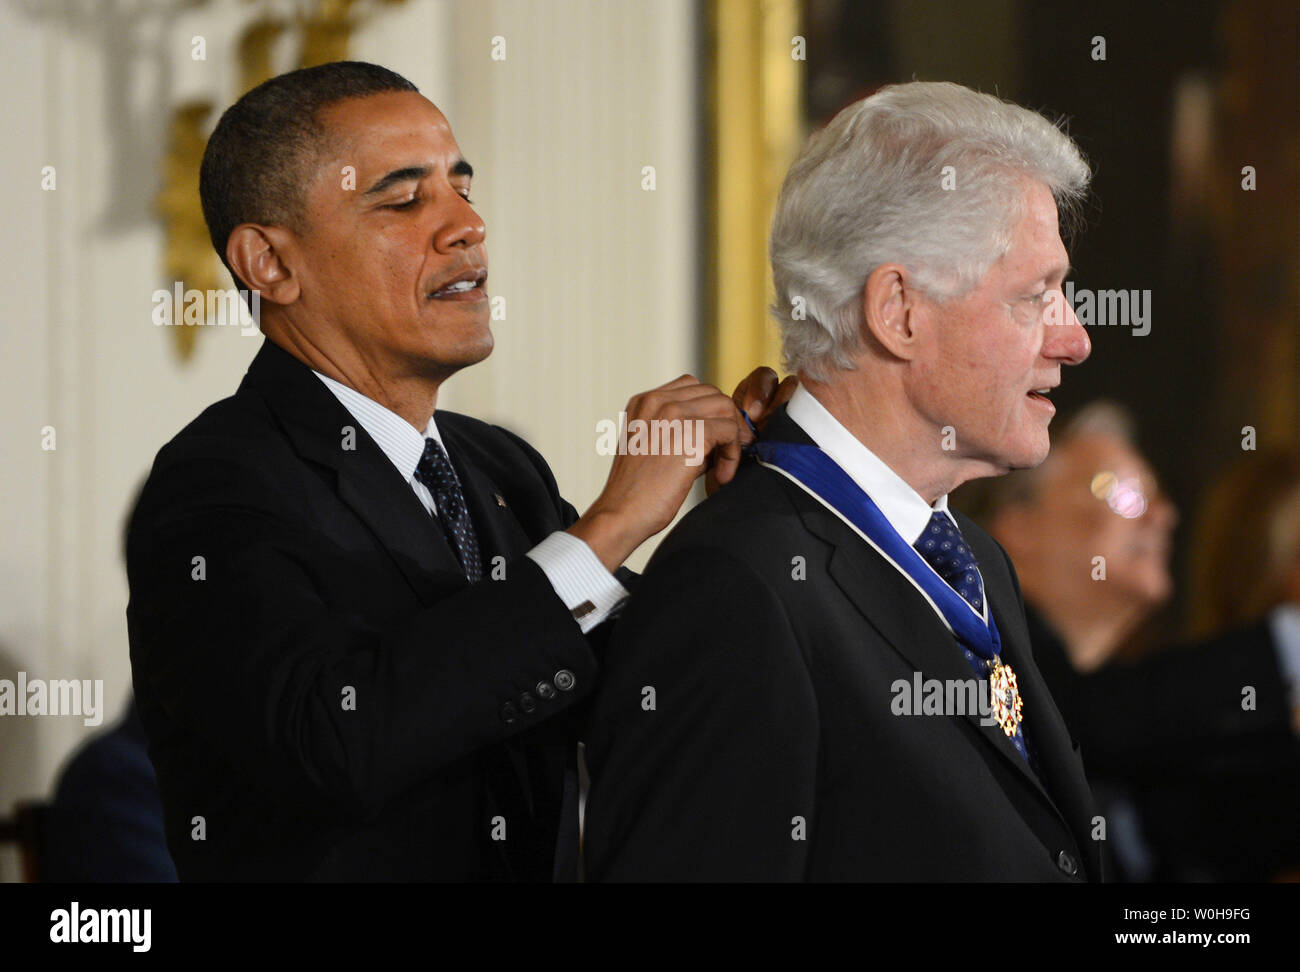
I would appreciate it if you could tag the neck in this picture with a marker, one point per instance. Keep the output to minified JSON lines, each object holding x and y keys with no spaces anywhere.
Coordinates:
{"x":414,"y":397}
{"x":902,"y":440}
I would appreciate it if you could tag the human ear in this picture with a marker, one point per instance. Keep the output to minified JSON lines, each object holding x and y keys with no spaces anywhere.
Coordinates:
{"x":888,"y":309}
{"x":262,"y":259}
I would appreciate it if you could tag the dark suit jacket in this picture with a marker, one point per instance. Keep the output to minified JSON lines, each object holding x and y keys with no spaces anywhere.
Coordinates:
{"x":1216,"y":785}
{"x":772,"y":705}
{"x":322,"y":581}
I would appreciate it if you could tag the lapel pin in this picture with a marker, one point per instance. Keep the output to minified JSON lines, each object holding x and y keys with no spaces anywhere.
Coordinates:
{"x":500,"y":500}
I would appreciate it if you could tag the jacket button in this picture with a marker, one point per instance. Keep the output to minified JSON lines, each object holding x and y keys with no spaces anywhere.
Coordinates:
{"x":1066,"y":863}
{"x":545,"y":690}
{"x":509,"y":713}
{"x":527,"y":703}
{"x":564,"y":680}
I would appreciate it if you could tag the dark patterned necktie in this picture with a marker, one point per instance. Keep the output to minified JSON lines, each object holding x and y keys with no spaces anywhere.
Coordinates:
{"x":436,"y":472}
{"x":944,"y":548}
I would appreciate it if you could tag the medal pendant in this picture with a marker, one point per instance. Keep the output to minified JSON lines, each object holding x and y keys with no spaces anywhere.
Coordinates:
{"x":1004,"y":694}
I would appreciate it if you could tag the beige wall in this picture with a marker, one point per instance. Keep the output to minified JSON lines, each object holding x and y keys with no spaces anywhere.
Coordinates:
{"x":598,"y":274}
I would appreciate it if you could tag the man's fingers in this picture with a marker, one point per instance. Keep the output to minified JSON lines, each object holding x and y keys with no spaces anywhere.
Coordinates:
{"x":785,"y":390}
{"x":679,"y":382}
{"x":723,"y":436}
{"x":686,"y":403}
{"x":754,"y":390}
{"x":726,"y":453}
{"x":783,"y":393}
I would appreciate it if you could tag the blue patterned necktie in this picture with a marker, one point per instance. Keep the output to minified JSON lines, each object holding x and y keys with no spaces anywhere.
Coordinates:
{"x":436,"y":472}
{"x":944,"y":548}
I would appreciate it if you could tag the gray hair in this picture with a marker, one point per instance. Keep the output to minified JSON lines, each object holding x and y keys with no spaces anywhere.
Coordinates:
{"x":869,"y":189}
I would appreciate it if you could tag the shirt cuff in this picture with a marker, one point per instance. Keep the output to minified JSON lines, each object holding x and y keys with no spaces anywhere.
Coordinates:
{"x":1284,"y":624}
{"x":590,"y":592}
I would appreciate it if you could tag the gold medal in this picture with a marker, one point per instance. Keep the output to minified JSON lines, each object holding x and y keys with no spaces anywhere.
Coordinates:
{"x":1004,"y":694}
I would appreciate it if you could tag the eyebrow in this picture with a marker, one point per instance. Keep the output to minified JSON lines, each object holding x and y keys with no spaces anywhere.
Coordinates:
{"x":413,"y":173}
{"x":1063,"y":271}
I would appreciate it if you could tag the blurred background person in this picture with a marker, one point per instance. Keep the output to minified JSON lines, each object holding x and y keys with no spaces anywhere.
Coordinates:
{"x":1245,"y":561}
{"x":105,"y":823}
{"x":1190,"y":749}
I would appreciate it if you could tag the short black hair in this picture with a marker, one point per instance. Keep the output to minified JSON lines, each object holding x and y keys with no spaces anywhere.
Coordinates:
{"x":256,"y":164}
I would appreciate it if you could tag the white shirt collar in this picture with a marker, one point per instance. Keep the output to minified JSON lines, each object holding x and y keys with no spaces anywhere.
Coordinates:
{"x":398,"y":438}
{"x":902,"y":506}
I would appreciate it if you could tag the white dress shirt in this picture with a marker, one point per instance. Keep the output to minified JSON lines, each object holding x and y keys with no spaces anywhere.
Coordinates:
{"x":570,"y":565}
{"x":907,"y":512}
{"x":1284,"y":625}
{"x":903,"y":506}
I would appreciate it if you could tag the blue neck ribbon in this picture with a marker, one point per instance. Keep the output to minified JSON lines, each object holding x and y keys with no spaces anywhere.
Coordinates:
{"x":819,"y":474}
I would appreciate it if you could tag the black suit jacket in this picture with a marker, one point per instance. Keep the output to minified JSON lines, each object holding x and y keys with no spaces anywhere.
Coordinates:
{"x":771,"y":751}
{"x":323,"y":687}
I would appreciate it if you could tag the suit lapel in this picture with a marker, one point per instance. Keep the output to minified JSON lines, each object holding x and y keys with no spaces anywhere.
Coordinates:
{"x":314,"y":421}
{"x":499,"y":532}
{"x":518,"y":782}
{"x":908,"y":622}
{"x":367,"y":481}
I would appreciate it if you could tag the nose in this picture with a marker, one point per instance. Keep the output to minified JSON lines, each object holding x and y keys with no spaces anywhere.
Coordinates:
{"x":1067,"y":341}
{"x":1164,"y":511}
{"x":461,"y":226}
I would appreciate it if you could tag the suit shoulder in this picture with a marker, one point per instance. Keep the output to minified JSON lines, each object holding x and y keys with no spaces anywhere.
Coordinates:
{"x":756,"y":509}
{"x":237,"y":427}
{"x":232,"y":454}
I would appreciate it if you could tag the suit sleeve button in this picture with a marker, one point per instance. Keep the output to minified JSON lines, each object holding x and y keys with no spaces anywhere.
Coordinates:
{"x":545,"y":690}
{"x":564,"y":680}
{"x":527,"y":703}
{"x":509,"y":713}
{"x":1066,"y":863}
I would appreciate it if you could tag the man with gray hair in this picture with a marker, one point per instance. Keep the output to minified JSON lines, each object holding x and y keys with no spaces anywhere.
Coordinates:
{"x":825,"y":673}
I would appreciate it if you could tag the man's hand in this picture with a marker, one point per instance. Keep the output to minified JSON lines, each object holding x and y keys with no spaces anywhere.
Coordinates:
{"x":759,"y":394}
{"x":644,"y":492}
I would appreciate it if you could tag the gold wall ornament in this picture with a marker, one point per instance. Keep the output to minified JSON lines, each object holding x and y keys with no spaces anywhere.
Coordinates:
{"x":326,"y":33}
{"x":755,"y":130}
{"x":254,"y":51}
{"x":187,"y":253}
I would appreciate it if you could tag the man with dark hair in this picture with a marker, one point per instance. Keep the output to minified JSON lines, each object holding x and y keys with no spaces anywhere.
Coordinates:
{"x":357,"y":633}
{"x":267,"y":146}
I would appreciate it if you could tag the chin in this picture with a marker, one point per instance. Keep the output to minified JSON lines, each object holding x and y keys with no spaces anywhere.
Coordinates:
{"x":469,"y":350}
{"x":481,"y":348}
{"x":1160,"y":589}
{"x":1035,"y":450}
{"x":1027,"y":457}
{"x":441,"y":363}
{"x":1149,"y":590}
